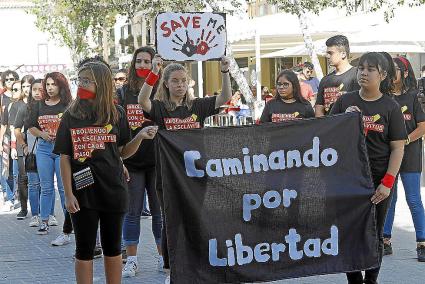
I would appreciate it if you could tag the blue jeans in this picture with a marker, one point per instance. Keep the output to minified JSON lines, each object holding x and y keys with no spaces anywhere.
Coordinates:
{"x":48,"y":164}
{"x":412,"y":188}
{"x":139,"y":182}
{"x":34,"y":191}
{"x":7,"y":183}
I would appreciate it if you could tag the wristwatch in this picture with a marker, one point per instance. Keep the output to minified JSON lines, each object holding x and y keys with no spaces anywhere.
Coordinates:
{"x":407,"y":141}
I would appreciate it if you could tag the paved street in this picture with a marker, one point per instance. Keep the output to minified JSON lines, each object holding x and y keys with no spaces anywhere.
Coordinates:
{"x":28,"y":258}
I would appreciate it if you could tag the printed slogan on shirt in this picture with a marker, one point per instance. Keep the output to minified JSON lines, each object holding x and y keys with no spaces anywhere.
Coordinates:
{"x":50,"y":123}
{"x":86,"y":140}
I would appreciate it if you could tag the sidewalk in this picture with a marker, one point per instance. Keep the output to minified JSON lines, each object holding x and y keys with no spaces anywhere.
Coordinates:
{"x":28,"y":258}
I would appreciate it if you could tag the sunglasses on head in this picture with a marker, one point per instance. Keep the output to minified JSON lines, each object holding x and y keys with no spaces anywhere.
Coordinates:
{"x":122,"y":79}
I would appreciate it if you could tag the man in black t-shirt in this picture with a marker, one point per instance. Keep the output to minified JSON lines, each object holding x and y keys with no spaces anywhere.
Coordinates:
{"x":340,"y":81}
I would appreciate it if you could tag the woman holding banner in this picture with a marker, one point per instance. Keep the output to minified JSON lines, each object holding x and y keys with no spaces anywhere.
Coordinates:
{"x":141,"y":166}
{"x":289,"y":103}
{"x":385,"y":138}
{"x":93,"y":137}
{"x":406,"y":92}
{"x":174,"y":108}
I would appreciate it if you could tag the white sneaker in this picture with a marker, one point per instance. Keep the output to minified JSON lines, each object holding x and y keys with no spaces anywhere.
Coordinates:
{"x":61,"y":240}
{"x":53,"y":221}
{"x":167,"y":280}
{"x":35,"y":221}
{"x":8,"y":206}
{"x":160,"y":264}
{"x":130,"y":269}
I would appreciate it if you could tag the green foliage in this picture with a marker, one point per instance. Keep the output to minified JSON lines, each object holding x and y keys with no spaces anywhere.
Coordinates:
{"x":297,"y":7}
{"x":70,"y":22}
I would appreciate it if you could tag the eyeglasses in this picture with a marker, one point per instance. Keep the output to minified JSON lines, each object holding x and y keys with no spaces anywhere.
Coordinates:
{"x":85,"y":82}
{"x":9,"y":80}
{"x":121,"y":79}
{"x":284,"y":85}
{"x":15,"y":89}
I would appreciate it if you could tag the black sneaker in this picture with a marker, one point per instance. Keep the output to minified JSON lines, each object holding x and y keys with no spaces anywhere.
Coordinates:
{"x":44,"y":229}
{"x":22,"y":215}
{"x":421,"y":253}
{"x":388,"y":249}
{"x":98,"y":253}
{"x":124,"y":256}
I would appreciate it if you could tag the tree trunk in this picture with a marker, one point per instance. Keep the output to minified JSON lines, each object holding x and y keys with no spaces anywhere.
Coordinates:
{"x":105,"y":44}
{"x":305,"y":29}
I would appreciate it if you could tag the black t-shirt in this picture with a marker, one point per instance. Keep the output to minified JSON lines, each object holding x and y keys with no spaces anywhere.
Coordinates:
{"x":94,"y":146}
{"x":182,"y":117}
{"x":276,"y":110}
{"x":144,"y":158}
{"x":413,"y":114}
{"x":19,"y":123}
{"x":382,"y":123}
{"x":332,"y":86}
{"x":46,"y":118}
{"x":10,"y":113}
{"x":5,"y":101}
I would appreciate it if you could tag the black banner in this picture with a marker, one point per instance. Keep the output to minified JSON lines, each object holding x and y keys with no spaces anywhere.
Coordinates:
{"x":269,"y":202}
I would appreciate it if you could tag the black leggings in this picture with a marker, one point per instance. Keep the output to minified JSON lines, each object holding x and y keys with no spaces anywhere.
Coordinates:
{"x":85,"y":223}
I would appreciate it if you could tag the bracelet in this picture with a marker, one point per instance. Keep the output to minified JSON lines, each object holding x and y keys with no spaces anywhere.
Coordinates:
{"x":407,"y":141}
{"x":152,"y":79}
{"x":225,"y":71}
{"x":388,"y":180}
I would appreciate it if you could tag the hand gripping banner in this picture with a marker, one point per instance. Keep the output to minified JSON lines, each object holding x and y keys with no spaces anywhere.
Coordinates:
{"x":269,"y":202}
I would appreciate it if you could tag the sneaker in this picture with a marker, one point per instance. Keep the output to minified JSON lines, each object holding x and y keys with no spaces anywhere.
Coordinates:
{"x":388,"y":249}
{"x":22,"y":215}
{"x":35,"y":221}
{"x":160,"y":264}
{"x":44,"y":229}
{"x":61,"y":240}
{"x":167,"y":280}
{"x":124,"y":256}
{"x":98,"y":253}
{"x":53,"y":221}
{"x":130,"y":269}
{"x":8,"y":206}
{"x":421,"y":253}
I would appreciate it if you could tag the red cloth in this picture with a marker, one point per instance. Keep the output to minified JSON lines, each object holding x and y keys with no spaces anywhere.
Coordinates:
{"x":306,"y":91}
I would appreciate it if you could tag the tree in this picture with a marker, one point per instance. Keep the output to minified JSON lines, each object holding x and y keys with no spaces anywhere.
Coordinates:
{"x":301,"y":7}
{"x":66,"y":23}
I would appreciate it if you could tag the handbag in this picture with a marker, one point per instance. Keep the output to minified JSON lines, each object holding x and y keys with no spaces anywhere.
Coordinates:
{"x":30,"y":160}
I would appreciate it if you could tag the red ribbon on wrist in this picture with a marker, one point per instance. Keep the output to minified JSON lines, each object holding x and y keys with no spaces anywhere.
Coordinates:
{"x":388,"y":180}
{"x":13,"y":144}
{"x":152,"y":79}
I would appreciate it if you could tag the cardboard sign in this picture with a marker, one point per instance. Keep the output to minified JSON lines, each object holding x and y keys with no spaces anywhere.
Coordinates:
{"x":191,"y":36}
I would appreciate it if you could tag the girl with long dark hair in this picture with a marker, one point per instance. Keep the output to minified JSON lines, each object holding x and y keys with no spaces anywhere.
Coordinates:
{"x":288,"y":104}
{"x":385,"y":137}
{"x":93,"y":137}
{"x":43,"y":123}
{"x":28,"y":143}
{"x":141,"y":166}
{"x":406,"y":94}
{"x":18,"y":163}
